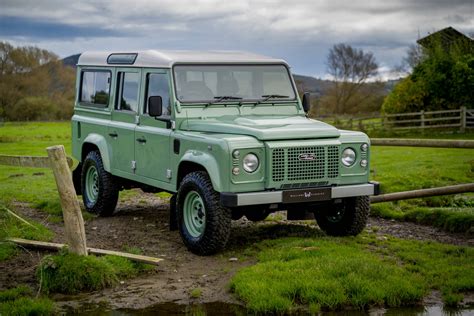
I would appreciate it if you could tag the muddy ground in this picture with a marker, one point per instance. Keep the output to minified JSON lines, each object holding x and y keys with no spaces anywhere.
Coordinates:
{"x":142,"y":221}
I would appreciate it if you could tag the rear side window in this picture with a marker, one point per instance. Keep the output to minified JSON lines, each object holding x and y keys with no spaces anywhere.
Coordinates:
{"x":128,"y":91}
{"x":95,"y":87}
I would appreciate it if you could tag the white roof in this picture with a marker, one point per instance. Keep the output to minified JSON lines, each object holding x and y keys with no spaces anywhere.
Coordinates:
{"x":166,"y":59}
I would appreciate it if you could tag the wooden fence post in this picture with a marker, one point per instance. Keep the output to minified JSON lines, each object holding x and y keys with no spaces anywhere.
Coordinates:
{"x":73,"y":221}
{"x":462,"y":127}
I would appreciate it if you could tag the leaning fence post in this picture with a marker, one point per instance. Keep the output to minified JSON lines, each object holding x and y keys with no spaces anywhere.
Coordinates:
{"x":73,"y":221}
{"x":462,"y":126}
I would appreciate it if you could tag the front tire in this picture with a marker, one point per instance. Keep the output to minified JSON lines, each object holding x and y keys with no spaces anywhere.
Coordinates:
{"x":204,"y":224}
{"x":347,"y":218}
{"x":99,"y":189}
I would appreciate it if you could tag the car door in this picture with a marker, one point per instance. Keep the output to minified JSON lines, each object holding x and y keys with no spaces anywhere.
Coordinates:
{"x":152,"y":150}
{"x":121,"y":131}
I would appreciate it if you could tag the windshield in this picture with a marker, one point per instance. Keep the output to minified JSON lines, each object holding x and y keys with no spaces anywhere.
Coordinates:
{"x":205,"y":83}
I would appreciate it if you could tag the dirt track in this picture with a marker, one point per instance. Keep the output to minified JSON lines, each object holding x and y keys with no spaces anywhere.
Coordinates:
{"x":142,"y":222}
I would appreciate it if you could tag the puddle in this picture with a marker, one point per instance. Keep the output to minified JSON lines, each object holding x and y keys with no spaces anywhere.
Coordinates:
{"x":224,"y":309}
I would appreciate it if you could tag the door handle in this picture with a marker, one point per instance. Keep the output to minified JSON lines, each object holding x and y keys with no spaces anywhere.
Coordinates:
{"x":114,"y":135}
{"x":141,"y":140}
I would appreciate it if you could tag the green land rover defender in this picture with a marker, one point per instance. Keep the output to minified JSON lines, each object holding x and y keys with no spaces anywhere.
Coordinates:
{"x":224,"y":132}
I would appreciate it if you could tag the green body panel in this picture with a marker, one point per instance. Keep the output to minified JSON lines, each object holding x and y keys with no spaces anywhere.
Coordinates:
{"x":122,"y":146}
{"x":264,"y":127}
{"x":207,"y":136}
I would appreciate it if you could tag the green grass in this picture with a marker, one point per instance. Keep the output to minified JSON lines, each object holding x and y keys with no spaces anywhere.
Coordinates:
{"x":454,"y":220}
{"x":32,"y":185}
{"x":409,"y":168}
{"x":20,"y":301}
{"x":336,"y":273}
{"x":13,"y":227}
{"x":69,"y":273}
{"x":196,"y":292}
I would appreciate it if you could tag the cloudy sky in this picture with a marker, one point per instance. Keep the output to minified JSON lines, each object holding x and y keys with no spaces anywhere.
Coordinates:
{"x":299,"y":31}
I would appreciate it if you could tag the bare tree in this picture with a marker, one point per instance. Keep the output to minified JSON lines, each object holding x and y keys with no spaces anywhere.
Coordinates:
{"x":350,"y":68}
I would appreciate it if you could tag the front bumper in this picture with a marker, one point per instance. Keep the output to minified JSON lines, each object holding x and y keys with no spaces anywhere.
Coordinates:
{"x":299,"y":196}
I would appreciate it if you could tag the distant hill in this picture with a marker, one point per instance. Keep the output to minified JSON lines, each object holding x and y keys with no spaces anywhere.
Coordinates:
{"x":311,"y":84}
{"x":71,"y":60}
{"x":320,"y":86}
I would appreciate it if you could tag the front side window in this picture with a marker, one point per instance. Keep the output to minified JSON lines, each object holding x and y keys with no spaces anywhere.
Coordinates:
{"x":158,"y":85}
{"x":95,"y":87}
{"x":128,"y":91}
{"x":204,"y":83}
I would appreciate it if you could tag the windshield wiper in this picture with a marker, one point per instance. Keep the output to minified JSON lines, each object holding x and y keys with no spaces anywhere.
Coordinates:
{"x":222,"y":98}
{"x":267,"y":97}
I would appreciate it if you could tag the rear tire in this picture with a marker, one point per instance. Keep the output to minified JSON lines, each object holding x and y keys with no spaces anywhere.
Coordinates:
{"x":256,"y":214}
{"x":204,"y":224}
{"x":99,"y":190}
{"x":347,"y":218}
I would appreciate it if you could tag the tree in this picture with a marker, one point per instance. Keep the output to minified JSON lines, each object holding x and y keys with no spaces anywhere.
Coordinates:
{"x":34,"y":84}
{"x":350,"y":68}
{"x":442,"y":79}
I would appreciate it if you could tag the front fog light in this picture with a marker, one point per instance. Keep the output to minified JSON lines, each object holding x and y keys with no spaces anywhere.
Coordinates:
{"x":235,"y":171}
{"x":348,"y":157}
{"x":363,"y":163}
{"x":250,"y":163}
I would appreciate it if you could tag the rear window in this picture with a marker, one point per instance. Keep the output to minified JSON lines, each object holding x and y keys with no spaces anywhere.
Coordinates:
{"x":95,"y":87}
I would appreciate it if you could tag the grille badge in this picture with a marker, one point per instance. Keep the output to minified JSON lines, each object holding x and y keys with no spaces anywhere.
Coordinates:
{"x":307,"y":157}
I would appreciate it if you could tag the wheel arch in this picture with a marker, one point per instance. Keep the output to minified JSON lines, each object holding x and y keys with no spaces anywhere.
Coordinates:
{"x":96,"y":142}
{"x":204,"y":162}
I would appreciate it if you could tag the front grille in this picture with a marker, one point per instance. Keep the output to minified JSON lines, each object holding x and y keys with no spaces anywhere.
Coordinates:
{"x":287,"y":164}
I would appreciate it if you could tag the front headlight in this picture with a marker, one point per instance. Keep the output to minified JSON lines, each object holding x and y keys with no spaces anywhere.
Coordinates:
{"x":348,"y":157}
{"x":250,"y":163}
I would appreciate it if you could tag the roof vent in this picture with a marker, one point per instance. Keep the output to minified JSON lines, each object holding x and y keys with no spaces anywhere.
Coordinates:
{"x":122,"y":59}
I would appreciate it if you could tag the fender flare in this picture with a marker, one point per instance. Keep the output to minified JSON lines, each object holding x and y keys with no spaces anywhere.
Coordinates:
{"x":100,"y":142}
{"x":208,"y":162}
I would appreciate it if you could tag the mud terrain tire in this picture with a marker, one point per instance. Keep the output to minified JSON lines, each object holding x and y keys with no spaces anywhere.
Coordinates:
{"x":204,"y":224}
{"x":100,"y":191}
{"x":344,"y":219}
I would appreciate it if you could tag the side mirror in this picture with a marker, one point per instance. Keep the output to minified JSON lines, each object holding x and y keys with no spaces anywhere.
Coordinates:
{"x":306,"y":102}
{"x":155,"y":106}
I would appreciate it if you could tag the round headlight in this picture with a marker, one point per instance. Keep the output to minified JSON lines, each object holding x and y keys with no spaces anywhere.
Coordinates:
{"x":348,"y":157}
{"x":250,"y":163}
{"x":364,"y":147}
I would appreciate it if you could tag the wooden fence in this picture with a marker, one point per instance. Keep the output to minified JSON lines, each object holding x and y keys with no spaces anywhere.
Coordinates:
{"x":460,"y":119}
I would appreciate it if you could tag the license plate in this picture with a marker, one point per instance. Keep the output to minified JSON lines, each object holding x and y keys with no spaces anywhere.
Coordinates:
{"x":306,"y":195}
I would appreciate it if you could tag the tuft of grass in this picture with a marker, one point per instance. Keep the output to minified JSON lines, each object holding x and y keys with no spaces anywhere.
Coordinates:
{"x":19,"y":301}
{"x":336,"y":273}
{"x":70,"y":273}
{"x":196,"y":292}
{"x":163,"y":195}
{"x":15,"y":293}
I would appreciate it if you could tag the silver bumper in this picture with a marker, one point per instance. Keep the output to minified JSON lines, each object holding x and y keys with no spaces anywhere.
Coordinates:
{"x":298,"y":196}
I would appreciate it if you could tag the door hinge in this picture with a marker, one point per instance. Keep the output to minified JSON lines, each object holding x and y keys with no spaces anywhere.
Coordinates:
{"x":134,"y":165}
{"x":168,"y":173}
